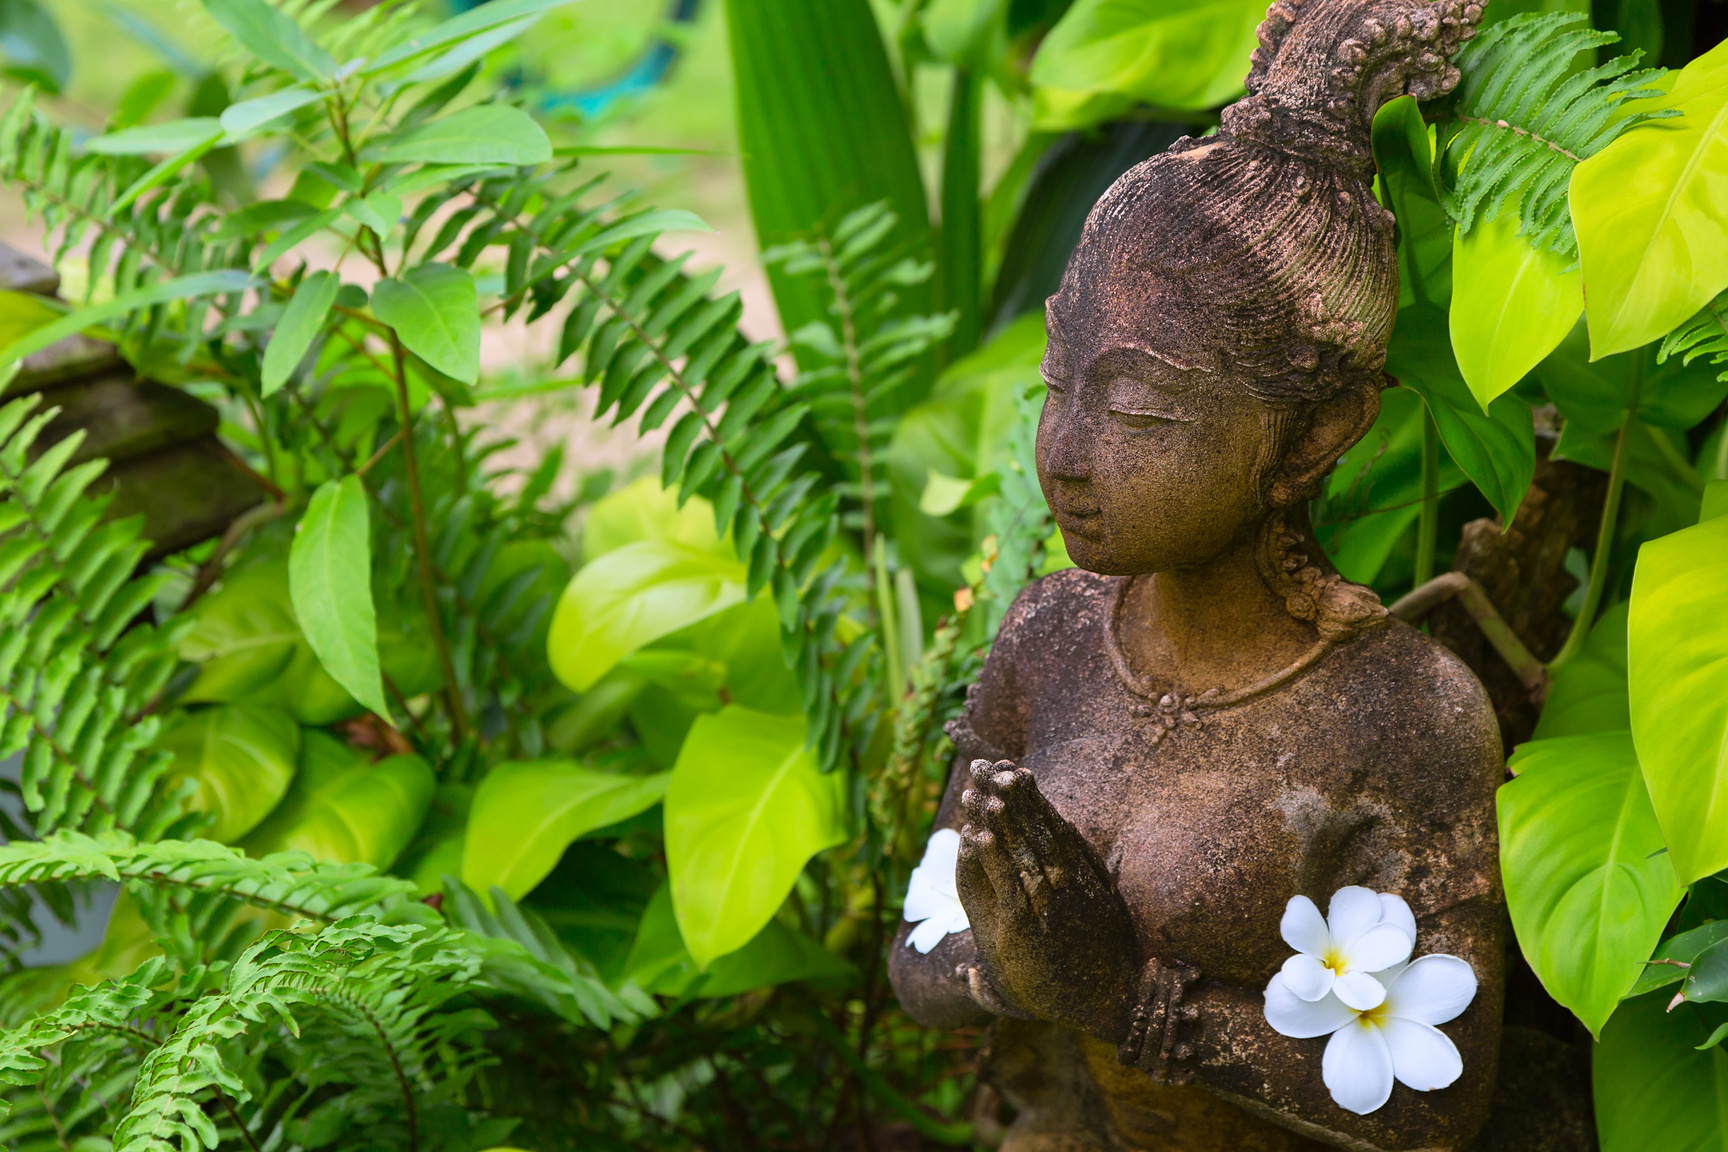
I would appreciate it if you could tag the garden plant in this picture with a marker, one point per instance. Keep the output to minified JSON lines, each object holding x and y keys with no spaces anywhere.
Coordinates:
{"x":460,"y":806}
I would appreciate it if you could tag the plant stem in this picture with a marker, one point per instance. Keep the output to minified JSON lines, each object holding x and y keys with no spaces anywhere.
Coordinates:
{"x":1604,"y":537}
{"x":423,"y":548}
{"x":1428,"y":530}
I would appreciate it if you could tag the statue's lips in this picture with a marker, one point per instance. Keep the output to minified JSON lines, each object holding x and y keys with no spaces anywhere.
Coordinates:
{"x":1081,"y":521}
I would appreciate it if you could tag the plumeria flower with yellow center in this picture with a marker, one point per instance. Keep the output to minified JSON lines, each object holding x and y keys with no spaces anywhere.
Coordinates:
{"x":932,"y":896}
{"x":1396,"y":1039}
{"x":1364,"y":933}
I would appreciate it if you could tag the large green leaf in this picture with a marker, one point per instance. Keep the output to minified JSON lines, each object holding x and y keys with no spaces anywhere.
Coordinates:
{"x":1653,"y":1089}
{"x":1512,"y":303}
{"x":1496,"y":450}
{"x":643,"y":510}
{"x":1678,"y":669}
{"x":239,"y":758}
{"x":341,"y":807}
{"x":745,"y":811}
{"x":1596,"y":396}
{"x":525,"y":814}
{"x":435,"y":310}
{"x":1375,"y":492}
{"x":479,"y":134}
{"x":1651,"y":219}
{"x":633,"y":595}
{"x":330,"y":586}
{"x":1187,"y":54}
{"x":1587,"y":883}
{"x":1588,"y":694}
{"x":273,"y":37}
{"x":821,"y":131}
{"x":660,"y":963}
{"x":300,"y":322}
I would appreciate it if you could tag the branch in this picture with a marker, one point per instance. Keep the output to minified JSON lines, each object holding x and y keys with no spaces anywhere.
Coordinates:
{"x":1424,"y":599}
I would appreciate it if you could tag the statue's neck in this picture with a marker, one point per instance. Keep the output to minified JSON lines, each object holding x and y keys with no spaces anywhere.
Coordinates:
{"x":1213,"y":625}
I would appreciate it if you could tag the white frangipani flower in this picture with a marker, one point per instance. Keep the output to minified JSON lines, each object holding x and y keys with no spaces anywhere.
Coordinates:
{"x":1364,"y":933}
{"x":932,"y":897}
{"x":1396,"y":1039}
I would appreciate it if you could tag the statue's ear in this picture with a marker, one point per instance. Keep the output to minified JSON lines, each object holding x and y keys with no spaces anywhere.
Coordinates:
{"x":1334,"y":425}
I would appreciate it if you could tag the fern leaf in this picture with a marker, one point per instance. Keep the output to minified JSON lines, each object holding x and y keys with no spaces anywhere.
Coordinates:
{"x":1522,"y":118}
{"x":1705,"y":334}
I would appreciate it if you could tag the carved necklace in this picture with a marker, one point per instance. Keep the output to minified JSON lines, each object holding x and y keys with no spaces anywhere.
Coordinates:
{"x":1166,"y":710}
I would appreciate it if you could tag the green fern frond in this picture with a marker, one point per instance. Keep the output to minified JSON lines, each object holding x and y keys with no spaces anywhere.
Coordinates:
{"x":77,"y":675}
{"x":1521,"y":119}
{"x":1705,"y":334}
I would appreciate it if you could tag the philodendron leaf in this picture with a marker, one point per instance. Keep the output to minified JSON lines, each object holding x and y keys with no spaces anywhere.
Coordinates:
{"x":1405,"y":158}
{"x":240,"y":759}
{"x":1677,"y":642}
{"x":300,"y":322}
{"x":330,"y":584}
{"x":481,"y":134}
{"x":340,"y":807}
{"x":273,"y":37}
{"x":1496,"y":450}
{"x":1652,"y":226}
{"x":435,"y":310}
{"x":1588,"y":694}
{"x":746,"y":809}
{"x":1653,"y":1088}
{"x":525,"y":814}
{"x":1587,"y":883}
{"x":1173,"y":53}
{"x":1512,"y":304}
{"x":632,"y":596}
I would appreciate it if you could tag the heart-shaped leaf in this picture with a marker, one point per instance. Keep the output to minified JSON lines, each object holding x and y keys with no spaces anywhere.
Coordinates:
{"x":435,"y":310}
{"x":240,"y":759}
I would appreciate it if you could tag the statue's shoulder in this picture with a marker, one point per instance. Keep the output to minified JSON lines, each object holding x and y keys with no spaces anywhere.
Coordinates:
{"x":1057,"y":605}
{"x":1405,"y":690}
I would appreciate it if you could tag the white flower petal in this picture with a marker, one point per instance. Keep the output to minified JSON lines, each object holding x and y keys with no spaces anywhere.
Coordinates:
{"x":956,"y":919}
{"x":1303,"y":928}
{"x":924,"y":899}
{"x":941,"y":857}
{"x":1433,"y":990}
{"x":1352,"y":912}
{"x":1357,"y":1068}
{"x":1309,"y":979}
{"x":1423,"y":1057}
{"x":1290,"y":1015}
{"x":1393,"y":910}
{"x":1377,"y":949}
{"x":926,"y":936}
{"x":930,"y":890}
{"x":1390,"y":974}
{"x":1359,"y":990}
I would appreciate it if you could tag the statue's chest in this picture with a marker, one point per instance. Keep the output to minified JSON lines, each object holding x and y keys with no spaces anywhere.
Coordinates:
{"x":1209,"y":830}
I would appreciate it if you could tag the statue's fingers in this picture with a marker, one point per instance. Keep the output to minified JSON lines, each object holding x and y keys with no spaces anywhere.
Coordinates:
{"x":1001,"y":868}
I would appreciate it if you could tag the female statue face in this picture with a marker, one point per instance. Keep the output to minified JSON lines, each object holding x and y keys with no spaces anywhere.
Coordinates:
{"x":1148,"y":460}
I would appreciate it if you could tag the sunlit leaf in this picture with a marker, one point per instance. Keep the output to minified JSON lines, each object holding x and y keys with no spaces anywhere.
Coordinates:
{"x":330,"y":583}
{"x":239,"y":758}
{"x":1678,"y":665}
{"x":273,"y":37}
{"x":1587,"y":883}
{"x":745,"y":811}
{"x":174,"y":136}
{"x":1173,"y":53}
{"x":300,"y":323}
{"x":481,"y":134}
{"x":1512,"y":303}
{"x":435,"y":310}
{"x":1588,"y":694}
{"x":340,"y":807}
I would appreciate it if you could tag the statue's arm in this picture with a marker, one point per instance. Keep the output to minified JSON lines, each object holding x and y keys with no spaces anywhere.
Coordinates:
{"x":1236,"y":1054}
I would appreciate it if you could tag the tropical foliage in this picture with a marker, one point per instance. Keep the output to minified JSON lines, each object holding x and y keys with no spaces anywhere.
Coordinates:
{"x":453,"y":805}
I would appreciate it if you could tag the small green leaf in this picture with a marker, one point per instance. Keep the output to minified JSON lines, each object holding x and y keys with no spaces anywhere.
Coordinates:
{"x":634,"y":595}
{"x":481,"y":134}
{"x":1589,"y":693}
{"x":378,"y":211}
{"x":1682,"y":948}
{"x":340,"y":807}
{"x":1187,"y":54}
{"x":1678,"y":665}
{"x":1405,"y":159}
{"x":1707,"y":979}
{"x":1653,"y":1089}
{"x":660,"y":963}
{"x":239,"y":758}
{"x":1587,"y":883}
{"x":745,"y":811}
{"x":525,"y":815}
{"x":330,"y":582}
{"x":1512,"y":303}
{"x":273,"y":37}
{"x":1652,"y":226}
{"x":644,"y":224}
{"x":300,"y":323}
{"x":174,"y":136}
{"x":435,"y":310}
{"x":249,"y":117}
{"x":1497,"y":451}
{"x":457,"y":29}
{"x":162,"y":291}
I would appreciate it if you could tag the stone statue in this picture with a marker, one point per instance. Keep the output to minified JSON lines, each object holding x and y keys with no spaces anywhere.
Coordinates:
{"x":1183,"y":749}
